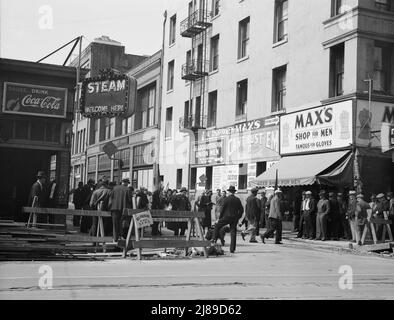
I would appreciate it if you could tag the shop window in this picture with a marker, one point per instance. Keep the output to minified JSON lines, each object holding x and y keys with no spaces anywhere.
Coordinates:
{"x":281,"y":17}
{"x":143,"y":155}
{"x":104,"y":163}
{"x":193,"y":178}
{"x":243,"y":176}
{"x":337,"y":70}
{"x":92,"y":164}
{"x":22,"y":129}
{"x":279,"y":89}
{"x":243,"y":38}
{"x":179,"y":178}
{"x":242,"y":97}
{"x":6,"y":127}
{"x":124,"y":155}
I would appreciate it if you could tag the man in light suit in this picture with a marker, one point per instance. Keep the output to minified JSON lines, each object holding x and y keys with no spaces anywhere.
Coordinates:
{"x":119,"y":199}
{"x":275,"y":217}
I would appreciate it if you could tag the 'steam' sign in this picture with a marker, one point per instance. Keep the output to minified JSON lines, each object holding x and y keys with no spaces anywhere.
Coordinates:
{"x":33,"y":100}
{"x":108,"y":97}
{"x":318,"y":129}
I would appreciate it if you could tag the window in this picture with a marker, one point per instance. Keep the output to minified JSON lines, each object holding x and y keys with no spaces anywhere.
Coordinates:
{"x":243,"y":176}
{"x":215,"y":7}
{"x":197,"y":117}
{"x":212,"y":108}
{"x":96,"y":131}
{"x":281,"y":17}
{"x":193,"y":178}
{"x":187,"y":112}
{"x":151,"y":106}
{"x":92,"y":164}
{"x":109,"y":124}
{"x":125,"y":126}
{"x":383,"y":70}
{"x":170,"y":76}
{"x":215,"y":53}
{"x":104,"y":163}
{"x":243,"y":38}
{"x":37,"y":130}
{"x":143,"y":155}
{"x":179,"y":178}
{"x":337,"y":70}
{"x":145,"y":110}
{"x":242,"y":97}
{"x":172,"y":29}
{"x":279,"y":89}
{"x":168,"y":130}
{"x":336,"y":6}
{"x":385,"y":4}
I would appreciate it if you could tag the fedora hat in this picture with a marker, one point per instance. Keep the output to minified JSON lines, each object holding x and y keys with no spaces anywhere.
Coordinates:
{"x":126,"y":180}
{"x":380,"y":196}
{"x":183,"y":189}
{"x":360,"y":196}
{"x":41,"y":174}
{"x":232,"y":189}
{"x":254,"y":190}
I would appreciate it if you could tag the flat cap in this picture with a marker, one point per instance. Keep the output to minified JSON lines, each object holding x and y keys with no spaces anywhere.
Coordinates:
{"x":380,"y":196}
{"x":352,"y":193}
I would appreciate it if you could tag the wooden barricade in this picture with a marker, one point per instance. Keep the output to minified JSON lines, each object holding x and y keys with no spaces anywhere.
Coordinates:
{"x":141,"y":242}
{"x":99,"y":238}
{"x":372,"y":224}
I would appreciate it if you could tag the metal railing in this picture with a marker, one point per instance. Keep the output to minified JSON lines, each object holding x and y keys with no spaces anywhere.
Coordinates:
{"x":192,"y":122}
{"x":197,"y":22}
{"x":195,"y":69}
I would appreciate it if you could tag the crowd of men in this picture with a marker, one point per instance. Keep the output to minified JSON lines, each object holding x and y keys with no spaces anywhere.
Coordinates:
{"x":332,"y":217}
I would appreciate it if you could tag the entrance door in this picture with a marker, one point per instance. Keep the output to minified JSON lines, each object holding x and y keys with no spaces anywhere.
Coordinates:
{"x":18,"y":170}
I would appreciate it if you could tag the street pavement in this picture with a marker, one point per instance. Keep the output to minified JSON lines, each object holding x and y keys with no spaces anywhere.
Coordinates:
{"x":294,"y":270}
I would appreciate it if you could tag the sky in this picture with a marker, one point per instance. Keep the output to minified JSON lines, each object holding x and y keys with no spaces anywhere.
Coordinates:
{"x":31,"y":29}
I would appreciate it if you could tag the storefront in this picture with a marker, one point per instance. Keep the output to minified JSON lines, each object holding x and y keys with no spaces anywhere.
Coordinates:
{"x":316,"y":146}
{"x":35,"y":130}
{"x":234,"y":155}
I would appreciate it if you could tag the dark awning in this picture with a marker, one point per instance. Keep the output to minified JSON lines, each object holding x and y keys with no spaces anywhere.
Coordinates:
{"x":306,"y":169}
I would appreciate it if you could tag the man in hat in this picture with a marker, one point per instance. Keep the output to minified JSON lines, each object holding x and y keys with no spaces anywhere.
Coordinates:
{"x":334,"y":218}
{"x":78,"y":202}
{"x":37,"y":196}
{"x":361,"y":216}
{"x":351,"y":213}
{"x":99,"y":201}
{"x":263,"y":205}
{"x":344,"y":223}
{"x":323,"y":208}
{"x":205,"y":205}
{"x":119,"y":199}
{"x":275,"y":217}
{"x":310,"y":216}
{"x":301,"y":228}
{"x":179,"y":202}
{"x":230,"y":213}
{"x":252,"y":211}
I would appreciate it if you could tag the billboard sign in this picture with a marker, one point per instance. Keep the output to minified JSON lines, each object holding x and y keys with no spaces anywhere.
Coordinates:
{"x":318,"y":129}
{"x":108,"y":96}
{"x":34,"y":100}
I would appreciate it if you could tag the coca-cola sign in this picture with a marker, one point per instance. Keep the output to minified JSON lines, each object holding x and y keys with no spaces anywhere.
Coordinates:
{"x":34,"y":100}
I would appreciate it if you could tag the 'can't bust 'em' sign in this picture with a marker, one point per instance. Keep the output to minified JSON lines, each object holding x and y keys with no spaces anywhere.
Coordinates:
{"x":108,"y":96}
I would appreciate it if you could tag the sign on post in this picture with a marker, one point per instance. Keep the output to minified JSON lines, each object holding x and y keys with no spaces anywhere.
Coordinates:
{"x":143,"y":219}
{"x":33,"y":100}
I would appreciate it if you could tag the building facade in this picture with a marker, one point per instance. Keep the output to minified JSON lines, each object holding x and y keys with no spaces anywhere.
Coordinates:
{"x":233,"y":68}
{"x":37,"y":105}
{"x":102,"y":53}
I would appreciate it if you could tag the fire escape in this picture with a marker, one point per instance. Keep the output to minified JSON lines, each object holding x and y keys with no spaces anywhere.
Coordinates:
{"x":196,"y":68}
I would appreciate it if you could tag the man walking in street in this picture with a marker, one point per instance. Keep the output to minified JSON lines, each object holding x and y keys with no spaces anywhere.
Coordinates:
{"x":78,"y":201}
{"x":99,"y":202}
{"x":230,"y":213}
{"x":263,"y":205}
{"x":252,"y":210}
{"x":275,"y":217}
{"x":119,"y":199}
{"x":351,"y":213}
{"x":323,"y":209}
{"x":310,"y":216}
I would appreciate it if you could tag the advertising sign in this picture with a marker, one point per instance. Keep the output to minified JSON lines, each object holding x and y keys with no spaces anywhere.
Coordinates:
{"x":108,"y":96}
{"x":369,"y":122}
{"x":387,"y":137}
{"x":210,"y":152}
{"x":143,"y":219}
{"x":33,"y":100}
{"x":225,"y":176}
{"x":318,"y":129}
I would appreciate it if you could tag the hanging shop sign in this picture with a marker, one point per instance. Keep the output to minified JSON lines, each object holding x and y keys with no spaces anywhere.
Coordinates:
{"x":318,"y":129}
{"x":33,"y":100}
{"x":369,"y":122}
{"x":245,"y":142}
{"x":108,"y":96}
{"x":387,"y":137}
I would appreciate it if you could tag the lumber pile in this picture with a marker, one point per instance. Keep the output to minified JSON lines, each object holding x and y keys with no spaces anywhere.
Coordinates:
{"x":20,"y":243}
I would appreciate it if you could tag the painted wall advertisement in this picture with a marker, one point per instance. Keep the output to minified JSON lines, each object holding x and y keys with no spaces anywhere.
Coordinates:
{"x":247,"y":142}
{"x":318,"y":129}
{"x":225,"y":176}
{"x":27,"y":99}
{"x":369,"y":122}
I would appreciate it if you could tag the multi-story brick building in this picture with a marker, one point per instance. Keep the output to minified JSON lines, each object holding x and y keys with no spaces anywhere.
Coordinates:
{"x":232,"y":68}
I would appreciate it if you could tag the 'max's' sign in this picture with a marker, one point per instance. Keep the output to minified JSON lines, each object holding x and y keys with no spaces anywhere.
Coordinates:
{"x":318,"y":129}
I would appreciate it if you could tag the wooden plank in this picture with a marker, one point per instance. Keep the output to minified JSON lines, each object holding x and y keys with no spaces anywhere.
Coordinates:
{"x":152,"y":244}
{"x":374,"y":247}
{"x":67,"y":212}
{"x":72,"y":238}
{"x":165,"y":214}
{"x":380,"y":221}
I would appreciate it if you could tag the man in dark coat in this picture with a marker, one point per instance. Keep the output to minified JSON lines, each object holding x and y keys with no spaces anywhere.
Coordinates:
{"x":334,"y":218}
{"x":179,"y":202}
{"x":205,"y":205}
{"x":78,"y":201}
{"x":158,"y":203}
{"x":344,"y":223}
{"x":119,"y":199}
{"x":38,"y":195}
{"x":86,"y":222}
{"x":252,"y":210}
{"x":99,"y":201}
{"x":230,"y":213}
{"x":263,"y":205}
